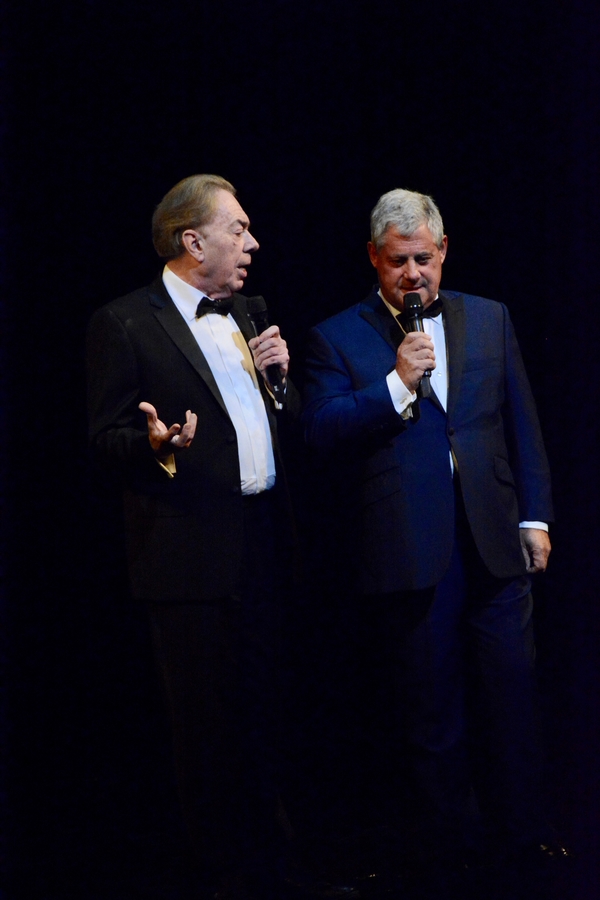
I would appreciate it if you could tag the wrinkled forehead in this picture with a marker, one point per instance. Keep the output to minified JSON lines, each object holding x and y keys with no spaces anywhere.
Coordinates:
{"x":421,"y":238}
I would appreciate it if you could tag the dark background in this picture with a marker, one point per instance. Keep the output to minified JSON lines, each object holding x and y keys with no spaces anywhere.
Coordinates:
{"x":312,"y":110}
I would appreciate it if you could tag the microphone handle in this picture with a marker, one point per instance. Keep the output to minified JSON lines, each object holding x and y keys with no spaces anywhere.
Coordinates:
{"x":416,"y":324}
{"x":260,"y":320}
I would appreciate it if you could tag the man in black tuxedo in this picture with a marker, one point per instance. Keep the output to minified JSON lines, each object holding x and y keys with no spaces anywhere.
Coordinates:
{"x":207,"y":513}
{"x":452,"y":496}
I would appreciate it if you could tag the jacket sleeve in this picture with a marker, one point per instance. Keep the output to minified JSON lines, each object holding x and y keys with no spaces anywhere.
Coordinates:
{"x":117,"y":428}
{"x":528,"y":460}
{"x":340,"y":410}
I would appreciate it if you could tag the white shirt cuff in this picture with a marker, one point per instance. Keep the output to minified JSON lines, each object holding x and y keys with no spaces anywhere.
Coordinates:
{"x":542,"y":526}
{"x":402,"y":398}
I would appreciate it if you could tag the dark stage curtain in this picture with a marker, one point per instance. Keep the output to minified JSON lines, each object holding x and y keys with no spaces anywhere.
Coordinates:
{"x":312,"y":111}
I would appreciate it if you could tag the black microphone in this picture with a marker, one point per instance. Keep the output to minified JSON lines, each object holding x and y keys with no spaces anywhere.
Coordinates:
{"x":257,"y":312}
{"x":413,"y":318}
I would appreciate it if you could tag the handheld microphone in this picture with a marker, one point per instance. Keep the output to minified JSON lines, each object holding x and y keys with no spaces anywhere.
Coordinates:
{"x":257,"y":312}
{"x":413,"y":315}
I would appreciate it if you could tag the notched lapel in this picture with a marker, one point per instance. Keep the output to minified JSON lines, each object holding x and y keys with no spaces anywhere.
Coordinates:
{"x":240,"y":314}
{"x":454,"y":325}
{"x":176,"y":327}
{"x":375,"y":312}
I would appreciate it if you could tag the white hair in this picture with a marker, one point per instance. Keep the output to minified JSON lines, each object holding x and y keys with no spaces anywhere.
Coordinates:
{"x":406,"y":211}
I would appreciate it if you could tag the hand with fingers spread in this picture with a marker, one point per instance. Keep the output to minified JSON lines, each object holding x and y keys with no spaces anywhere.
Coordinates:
{"x":163,"y":440}
{"x":270,"y":349}
{"x":415,"y":356}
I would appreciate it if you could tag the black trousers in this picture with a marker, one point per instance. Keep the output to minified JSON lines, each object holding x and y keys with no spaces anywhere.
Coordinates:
{"x":219,"y":667}
{"x":452,"y":703}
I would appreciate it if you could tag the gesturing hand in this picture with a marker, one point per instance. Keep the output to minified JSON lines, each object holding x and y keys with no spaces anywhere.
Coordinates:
{"x":163,"y":440}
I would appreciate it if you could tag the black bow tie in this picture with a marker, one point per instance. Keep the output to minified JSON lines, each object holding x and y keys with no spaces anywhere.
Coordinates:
{"x":433,"y":310}
{"x":206,"y":305}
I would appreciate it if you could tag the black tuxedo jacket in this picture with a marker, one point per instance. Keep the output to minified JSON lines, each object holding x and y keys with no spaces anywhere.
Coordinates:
{"x":399,"y":470}
{"x":185,"y":535}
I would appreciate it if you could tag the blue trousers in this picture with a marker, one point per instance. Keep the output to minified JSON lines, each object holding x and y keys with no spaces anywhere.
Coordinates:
{"x":453,"y":701}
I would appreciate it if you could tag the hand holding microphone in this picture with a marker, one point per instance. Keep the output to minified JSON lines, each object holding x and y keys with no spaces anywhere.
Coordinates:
{"x":415,"y":358}
{"x":270,"y":353}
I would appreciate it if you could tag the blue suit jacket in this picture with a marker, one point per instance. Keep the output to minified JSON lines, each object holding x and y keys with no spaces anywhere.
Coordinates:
{"x":399,"y":470}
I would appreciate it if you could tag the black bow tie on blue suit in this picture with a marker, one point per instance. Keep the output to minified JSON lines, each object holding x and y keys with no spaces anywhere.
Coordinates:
{"x":207,"y":305}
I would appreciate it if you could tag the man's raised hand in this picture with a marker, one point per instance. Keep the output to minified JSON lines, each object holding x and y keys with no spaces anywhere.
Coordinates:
{"x":163,"y":440}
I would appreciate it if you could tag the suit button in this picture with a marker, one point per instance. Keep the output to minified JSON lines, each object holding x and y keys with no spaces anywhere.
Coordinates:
{"x":231,"y":439}
{"x":451,"y":431}
{"x":235,"y":489}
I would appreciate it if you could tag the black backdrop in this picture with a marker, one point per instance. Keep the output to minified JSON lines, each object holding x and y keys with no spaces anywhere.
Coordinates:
{"x":312,"y":110}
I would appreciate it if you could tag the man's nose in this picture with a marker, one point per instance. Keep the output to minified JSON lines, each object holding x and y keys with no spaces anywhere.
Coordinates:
{"x":251,"y":243}
{"x":411,"y":270}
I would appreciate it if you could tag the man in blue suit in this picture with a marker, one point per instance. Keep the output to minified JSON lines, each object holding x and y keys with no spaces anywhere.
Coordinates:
{"x":452,"y":494}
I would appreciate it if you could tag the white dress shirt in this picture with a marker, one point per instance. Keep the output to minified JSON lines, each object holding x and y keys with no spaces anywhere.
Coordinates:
{"x":232,"y":365}
{"x":403,"y":398}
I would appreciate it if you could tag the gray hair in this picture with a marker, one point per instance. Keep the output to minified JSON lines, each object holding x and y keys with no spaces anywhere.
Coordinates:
{"x":406,"y":211}
{"x":190,"y":204}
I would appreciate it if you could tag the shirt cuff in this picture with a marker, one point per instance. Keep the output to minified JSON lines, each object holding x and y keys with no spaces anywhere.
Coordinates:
{"x":402,"y":398}
{"x":541,"y":526}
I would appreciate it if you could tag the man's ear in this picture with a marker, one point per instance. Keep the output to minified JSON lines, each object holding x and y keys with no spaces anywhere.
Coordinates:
{"x":444,"y":247}
{"x":372,"y":249}
{"x":194,"y":244}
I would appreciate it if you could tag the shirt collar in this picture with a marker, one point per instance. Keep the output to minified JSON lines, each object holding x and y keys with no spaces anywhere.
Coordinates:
{"x":396,"y":312}
{"x":185,"y":296}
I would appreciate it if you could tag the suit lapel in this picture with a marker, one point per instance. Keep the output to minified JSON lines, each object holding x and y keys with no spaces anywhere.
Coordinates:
{"x":242,"y":319}
{"x":454,"y":326}
{"x":374,"y":311}
{"x":176,"y":327}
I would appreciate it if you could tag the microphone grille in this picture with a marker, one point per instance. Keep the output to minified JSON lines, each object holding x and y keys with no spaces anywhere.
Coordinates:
{"x":413,"y":303}
{"x":256,"y":305}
